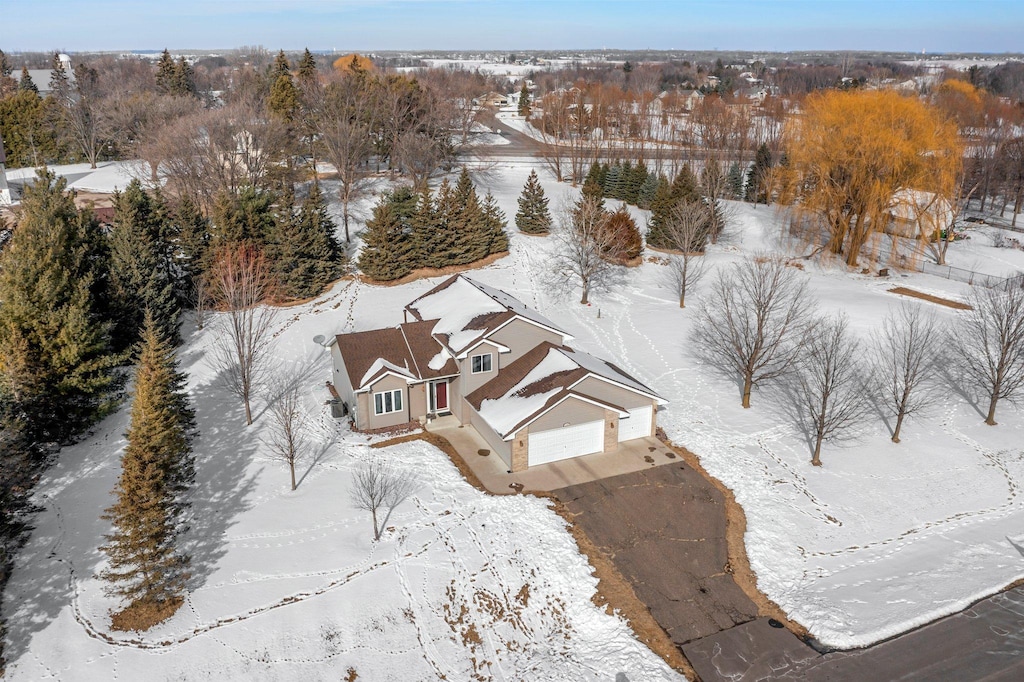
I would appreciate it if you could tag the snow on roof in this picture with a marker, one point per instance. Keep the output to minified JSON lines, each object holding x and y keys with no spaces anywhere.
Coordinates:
{"x":513,"y":304}
{"x":379,"y":365}
{"x":466,"y":311}
{"x":455,"y":307}
{"x":909,"y":205}
{"x":605,"y":369}
{"x":518,"y":404}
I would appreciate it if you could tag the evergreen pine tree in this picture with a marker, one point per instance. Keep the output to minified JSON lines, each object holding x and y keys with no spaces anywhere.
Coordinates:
{"x":248,"y":216}
{"x":635,"y":179}
{"x":146,"y":568}
{"x":166,"y":80}
{"x":281,"y":66}
{"x":684,"y":187}
{"x":524,"y":101}
{"x":423,"y":229}
{"x":613,"y":181}
{"x":26,"y":83}
{"x":303,"y":249}
{"x":284,"y":98}
{"x":60,"y":86}
{"x":192,"y":254}
{"x":662,"y":206}
{"x":307,"y":68}
{"x":5,"y":65}
{"x":388,"y":252}
{"x":184,"y":80}
{"x":645,"y":197}
{"x":140,"y":276}
{"x":56,"y":361}
{"x":734,"y":181}
{"x":757,"y":178}
{"x":495,"y":223}
{"x":533,"y":216}
{"x":473,"y":242}
{"x":448,"y":215}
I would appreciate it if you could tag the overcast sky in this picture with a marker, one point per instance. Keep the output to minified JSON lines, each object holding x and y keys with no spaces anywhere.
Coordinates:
{"x":346,"y":25}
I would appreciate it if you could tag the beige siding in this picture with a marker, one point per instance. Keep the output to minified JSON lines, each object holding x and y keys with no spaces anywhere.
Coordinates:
{"x":417,"y":401}
{"x":522,"y":337}
{"x":573,"y":411}
{"x":362,"y":410}
{"x":340,"y":380}
{"x":458,"y":405}
{"x":470,"y":381}
{"x":609,"y":393}
{"x":500,"y":447}
{"x":388,"y":383}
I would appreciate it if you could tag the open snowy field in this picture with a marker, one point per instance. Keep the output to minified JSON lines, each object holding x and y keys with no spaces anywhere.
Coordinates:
{"x":881,"y":538}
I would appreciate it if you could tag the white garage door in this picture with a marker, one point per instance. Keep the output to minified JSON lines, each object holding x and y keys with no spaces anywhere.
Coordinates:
{"x":636,"y":425}
{"x":566,"y":442}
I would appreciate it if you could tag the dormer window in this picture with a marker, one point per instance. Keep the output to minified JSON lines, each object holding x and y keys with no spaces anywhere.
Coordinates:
{"x":481,"y":363}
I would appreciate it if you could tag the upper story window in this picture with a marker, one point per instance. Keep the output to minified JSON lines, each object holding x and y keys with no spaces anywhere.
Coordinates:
{"x":481,"y":363}
{"x":387,"y":402}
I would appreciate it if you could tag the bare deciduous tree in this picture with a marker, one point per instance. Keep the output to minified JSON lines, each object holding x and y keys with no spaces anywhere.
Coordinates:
{"x":241,"y":284}
{"x":581,"y":244}
{"x":987,"y":345}
{"x":419,"y":155}
{"x":686,"y":231}
{"x":379,"y":486}
{"x":287,"y":437}
{"x":347,"y":146}
{"x":904,"y":355}
{"x":756,"y":313}
{"x":829,"y":394}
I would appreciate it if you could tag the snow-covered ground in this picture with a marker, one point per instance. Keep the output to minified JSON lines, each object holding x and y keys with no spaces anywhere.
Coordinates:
{"x":881,"y":538}
{"x":290,"y":585}
{"x":108,"y":176}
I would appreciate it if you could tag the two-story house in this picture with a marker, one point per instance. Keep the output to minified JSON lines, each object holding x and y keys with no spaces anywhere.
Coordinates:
{"x":477,"y":353}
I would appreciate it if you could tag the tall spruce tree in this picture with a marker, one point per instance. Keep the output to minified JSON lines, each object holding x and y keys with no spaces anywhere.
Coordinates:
{"x":495,"y":223}
{"x":533,"y":216}
{"x":141,"y":274}
{"x":423,"y":229}
{"x":734,"y":181}
{"x":248,"y":216}
{"x":166,"y":81}
{"x":307,"y":68}
{"x":26,"y":83}
{"x":146,"y":566}
{"x":662,"y":206}
{"x":184,"y":78}
{"x":524,"y":101}
{"x":57,"y":364}
{"x":757,"y":178}
{"x":304,"y":251}
{"x":388,"y":251}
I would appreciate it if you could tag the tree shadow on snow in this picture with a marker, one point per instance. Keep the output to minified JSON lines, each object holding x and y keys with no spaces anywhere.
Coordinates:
{"x":223,"y":451}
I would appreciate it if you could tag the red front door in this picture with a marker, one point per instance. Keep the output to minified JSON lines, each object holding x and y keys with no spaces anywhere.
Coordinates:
{"x":441,"y":396}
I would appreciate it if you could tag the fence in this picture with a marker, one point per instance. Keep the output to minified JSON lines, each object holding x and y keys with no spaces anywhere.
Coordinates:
{"x":962,"y":275}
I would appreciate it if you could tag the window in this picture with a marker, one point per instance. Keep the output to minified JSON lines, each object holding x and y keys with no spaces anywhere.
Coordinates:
{"x":387,"y":402}
{"x":481,"y":363}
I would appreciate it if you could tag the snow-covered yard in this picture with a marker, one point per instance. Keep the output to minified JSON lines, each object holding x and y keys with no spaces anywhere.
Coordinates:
{"x":879,"y":539}
{"x":290,"y":585}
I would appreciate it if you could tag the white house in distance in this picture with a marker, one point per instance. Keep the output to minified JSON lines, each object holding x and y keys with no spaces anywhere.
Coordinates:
{"x":477,"y":353}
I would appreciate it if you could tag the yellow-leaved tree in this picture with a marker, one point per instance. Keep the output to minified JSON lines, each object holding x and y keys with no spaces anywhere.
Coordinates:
{"x":852,"y":152}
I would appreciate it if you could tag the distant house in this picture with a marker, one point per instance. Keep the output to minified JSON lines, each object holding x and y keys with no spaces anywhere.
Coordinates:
{"x":919,"y":214}
{"x":492,"y":99}
{"x":691,"y":98}
{"x":41,"y":77}
{"x":474,"y":352}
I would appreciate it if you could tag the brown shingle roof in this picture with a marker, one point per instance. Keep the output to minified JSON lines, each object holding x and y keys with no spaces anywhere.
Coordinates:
{"x":508,"y":377}
{"x":408,"y":347}
{"x":360,"y":350}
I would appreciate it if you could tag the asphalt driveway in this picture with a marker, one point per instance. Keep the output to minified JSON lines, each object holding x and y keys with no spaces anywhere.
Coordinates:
{"x":664,"y":529}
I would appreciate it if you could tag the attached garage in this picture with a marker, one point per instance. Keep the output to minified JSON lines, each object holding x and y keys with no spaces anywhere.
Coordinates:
{"x":637,"y":425}
{"x":566,"y":442}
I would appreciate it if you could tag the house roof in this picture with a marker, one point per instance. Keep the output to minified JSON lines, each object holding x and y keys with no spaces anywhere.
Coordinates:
{"x":540,"y":380}
{"x":466,"y":311}
{"x":408,"y":351}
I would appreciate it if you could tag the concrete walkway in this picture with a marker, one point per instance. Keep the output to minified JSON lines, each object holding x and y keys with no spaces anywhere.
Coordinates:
{"x":635,"y":455}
